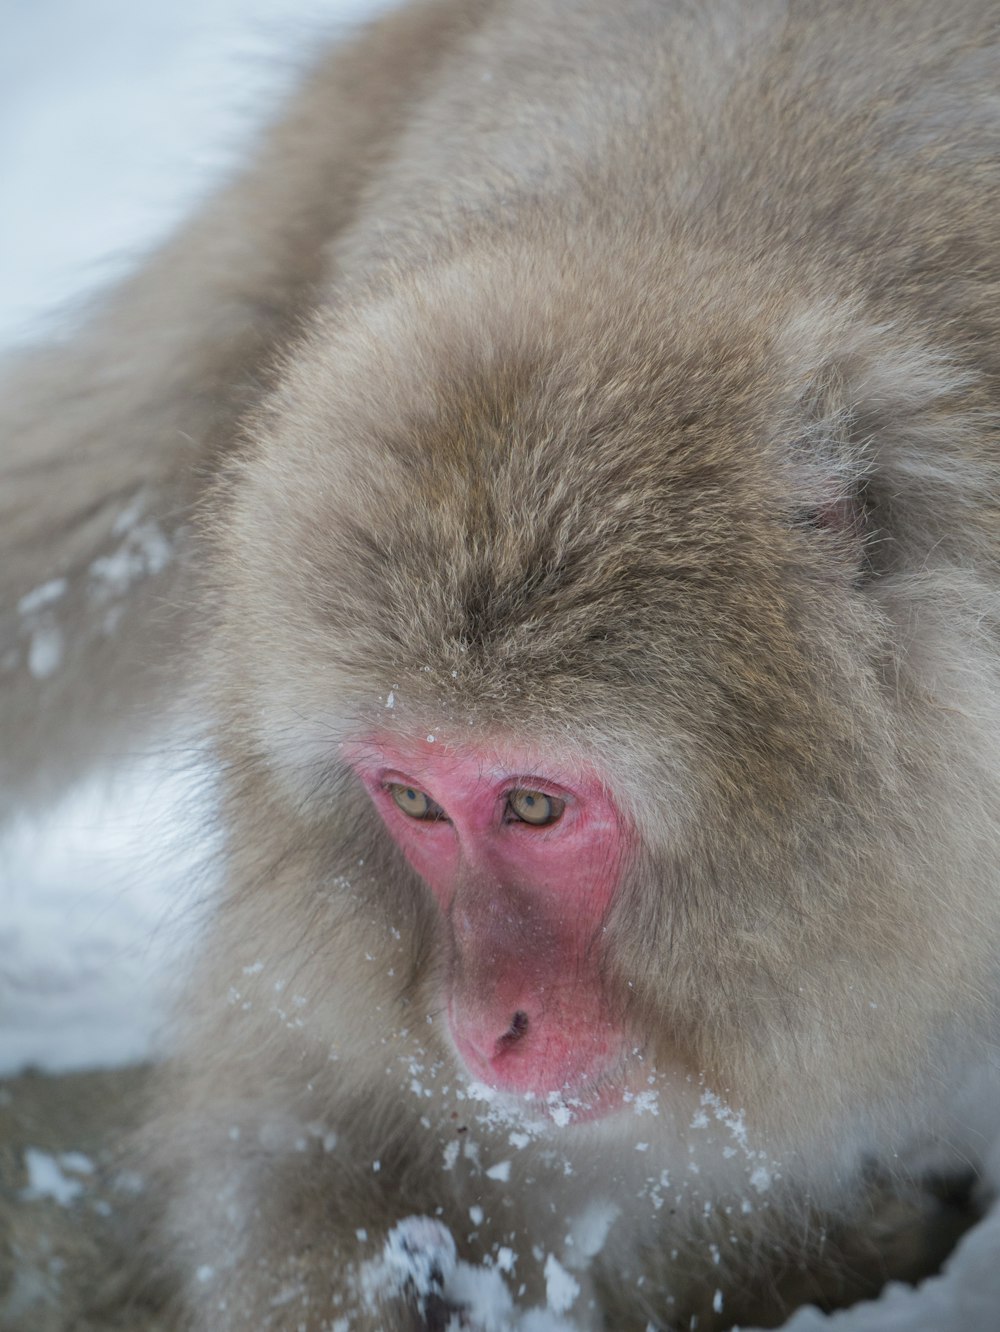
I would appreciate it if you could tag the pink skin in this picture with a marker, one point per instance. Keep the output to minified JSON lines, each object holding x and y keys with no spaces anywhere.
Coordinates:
{"x":525,"y":906}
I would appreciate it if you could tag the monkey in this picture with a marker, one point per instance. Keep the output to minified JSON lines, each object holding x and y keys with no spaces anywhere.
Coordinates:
{"x":561,"y":470}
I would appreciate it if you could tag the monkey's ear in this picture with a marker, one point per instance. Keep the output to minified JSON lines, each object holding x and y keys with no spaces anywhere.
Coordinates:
{"x":890,"y":455}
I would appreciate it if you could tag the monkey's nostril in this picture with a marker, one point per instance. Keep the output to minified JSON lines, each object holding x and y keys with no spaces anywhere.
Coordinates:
{"x":517,"y":1029}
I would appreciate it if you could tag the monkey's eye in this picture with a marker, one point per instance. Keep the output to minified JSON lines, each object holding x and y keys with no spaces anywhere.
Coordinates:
{"x":416,"y":803}
{"x":535,"y":807}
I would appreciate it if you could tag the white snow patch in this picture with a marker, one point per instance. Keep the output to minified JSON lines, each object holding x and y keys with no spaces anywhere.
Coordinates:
{"x":42,"y":596}
{"x":45,"y":652}
{"x":506,"y":1259}
{"x":47,"y":1177}
{"x":96,"y":911}
{"x":561,"y":1289}
{"x":482,"y":1294}
{"x":144,"y":552}
{"x":760,"y":1179}
{"x":589,"y":1231}
{"x":418,"y":1256}
{"x":76,"y":1162}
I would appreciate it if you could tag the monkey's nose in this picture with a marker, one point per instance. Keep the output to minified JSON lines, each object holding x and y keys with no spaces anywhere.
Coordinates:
{"x":515,"y":1032}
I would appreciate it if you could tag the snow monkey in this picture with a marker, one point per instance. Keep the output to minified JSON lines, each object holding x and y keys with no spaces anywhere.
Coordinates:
{"x":562,"y":466}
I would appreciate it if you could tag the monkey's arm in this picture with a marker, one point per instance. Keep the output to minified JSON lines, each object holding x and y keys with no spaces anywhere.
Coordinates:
{"x":296,"y":1191}
{"x":108,"y":440}
{"x":298,"y":1235}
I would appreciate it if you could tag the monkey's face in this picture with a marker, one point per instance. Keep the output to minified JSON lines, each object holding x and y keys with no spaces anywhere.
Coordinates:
{"x":523,"y":860}
{"x":673,"y":804}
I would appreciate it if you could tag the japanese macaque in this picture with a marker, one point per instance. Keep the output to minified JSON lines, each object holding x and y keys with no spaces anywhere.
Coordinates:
{"x":563,"y":468}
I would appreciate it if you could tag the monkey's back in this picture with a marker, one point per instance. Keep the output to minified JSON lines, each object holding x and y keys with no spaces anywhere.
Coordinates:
{"x":853,"y":142}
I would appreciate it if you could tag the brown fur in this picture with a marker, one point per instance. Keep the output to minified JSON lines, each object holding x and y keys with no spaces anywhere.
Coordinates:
{"x":622,"y":377}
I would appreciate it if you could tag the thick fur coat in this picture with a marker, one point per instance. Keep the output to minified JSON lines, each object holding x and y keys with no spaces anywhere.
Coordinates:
{"x":621,"y":376}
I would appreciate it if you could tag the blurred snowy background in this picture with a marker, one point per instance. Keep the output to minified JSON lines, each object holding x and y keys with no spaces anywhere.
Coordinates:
{"x":114,"y":119}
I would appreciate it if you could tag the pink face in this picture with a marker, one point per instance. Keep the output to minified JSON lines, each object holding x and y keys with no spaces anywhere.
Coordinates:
{"x":523,"y":856}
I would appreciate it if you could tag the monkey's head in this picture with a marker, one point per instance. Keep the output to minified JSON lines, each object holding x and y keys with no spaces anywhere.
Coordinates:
{"x":594,"y":592}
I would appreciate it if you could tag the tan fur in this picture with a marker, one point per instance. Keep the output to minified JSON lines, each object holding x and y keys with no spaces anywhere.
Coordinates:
{"x":550,"y":328}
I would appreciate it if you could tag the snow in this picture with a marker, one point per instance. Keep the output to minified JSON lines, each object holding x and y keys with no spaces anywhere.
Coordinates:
{"x":964,"y":1298}
{"x":49,"y":1176}
{"x":45,"y":649}
{"x":589,"y":1231}
{"x":115,"y":118}
{"x":98,"y":901}
{"x":561,"y":1289}
{"x":419,"y":1256}
{"x":42,"y":596}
